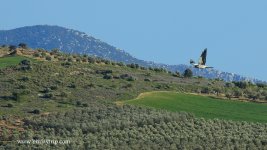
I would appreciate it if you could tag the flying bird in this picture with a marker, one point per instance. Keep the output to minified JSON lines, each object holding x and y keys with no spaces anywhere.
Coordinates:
{"x":202,"y":61}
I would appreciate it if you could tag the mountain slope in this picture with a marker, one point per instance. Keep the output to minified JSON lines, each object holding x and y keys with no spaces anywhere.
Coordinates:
{"x":73,"y":41}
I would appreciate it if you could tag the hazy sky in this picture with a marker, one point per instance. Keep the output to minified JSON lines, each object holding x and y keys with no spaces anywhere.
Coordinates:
{"x":170,"y":31}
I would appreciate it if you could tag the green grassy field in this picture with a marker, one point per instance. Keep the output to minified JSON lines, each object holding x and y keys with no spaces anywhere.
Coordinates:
{"x":203,"y":106}
{"x":9,"y":61}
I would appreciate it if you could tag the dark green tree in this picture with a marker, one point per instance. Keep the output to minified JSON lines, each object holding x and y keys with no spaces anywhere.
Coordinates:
{"x":22,"y":45}
{"x":188,"y":73}
{"x":55,"y":50}
{"x":12,"y":47}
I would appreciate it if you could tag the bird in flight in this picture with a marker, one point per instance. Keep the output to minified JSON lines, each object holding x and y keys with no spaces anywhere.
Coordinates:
{"x":201,"y":62}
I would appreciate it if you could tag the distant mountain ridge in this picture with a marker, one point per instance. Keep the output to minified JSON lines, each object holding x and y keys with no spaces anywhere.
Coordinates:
{"x":73,"y":41}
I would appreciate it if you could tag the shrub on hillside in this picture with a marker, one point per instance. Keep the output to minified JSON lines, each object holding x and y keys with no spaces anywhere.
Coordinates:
{"x":63,"y":94}
{"x":48,"y":95}
{"x":241,"y":84}
{"x":176,"y":74}
{"x":25,"y":62}
{"x":43,"y":54}
{"x":54,"y":87}
{"x":85,"y":105}
{"x":148,"y":74}
{"x":107,"y":76}
{"x":25,"y":78}
{"x":120,"y":64}
{"x":261,"y":85}
{"x":206,"y":90}
{"x":37,"y":55}
{"x":91,"y":60}
{"x":70,"y":59}
{"x":36,"y":111}
{"x":16,"y":96}
{"x":146,"y":79}
{"x":78,"y":59}
{"x":229,"y":85}
{"x":22,"y":45}
{"x":78,"y":103}
{"x":25,"y":65}
{"x":131,"y":79}
{"x":12,"y":47}
{"x":188,"y":73}
{"x":129,"y":85}
{"x":66,"y":64}
{"x":103,"y":72}
{"x":49,"y":58}
{"x":124,"y":76}
{"x":72,"y":85}
{"x":84,"y":60}
{"x":9,"y":105}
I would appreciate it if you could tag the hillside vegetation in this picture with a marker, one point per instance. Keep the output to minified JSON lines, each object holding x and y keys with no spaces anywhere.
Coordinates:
{"x":51,"y":95}
{"x":76,"y":42}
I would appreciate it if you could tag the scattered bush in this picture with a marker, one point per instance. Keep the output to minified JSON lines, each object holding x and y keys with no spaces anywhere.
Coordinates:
{"x":261,"y":85}
{"x":146,"y":79}
{"x":176,"y":74}
{"x":84,"y":60}
{"x":9,"y":105}
{"x":37,"y":54}
{"x":54,"y":87}
{"x":48,"y":95}
{"x":148,"y":74}
{"x":25,"y":65}
{"x":70,"y":59}
{"x":104,"y":72}
{"x":131,"y":78}
{"x":46,"y":90}
{"x":129,"y":85}
{"x":25,"y":78}
{"x":188,"y":73}
{"x":237,"y":93}
{"x":91,"y":60}
{"x":229,"y":84}
{"x":16,"y":96}
{"x":107,"y":76}
{"x":78,"y":59}
{"x":85,"y":105}
{"x":63,"y":94}
{"x":229,"y":95}
{"x":22,"y":45}
{"x":206,"y":90}
{"x":66,"y":64}
{"x":72,"y":85}
{"x":25,"y":62}
{"x":36,"y":111}
{"x":43,"y":54}
{"x":241,"y":84}
{"x":124,"y":76}
{"x":78,"y":103}
{"x":12,"y":47}
{"x":49,"y":58}
{"x":120,"y":64}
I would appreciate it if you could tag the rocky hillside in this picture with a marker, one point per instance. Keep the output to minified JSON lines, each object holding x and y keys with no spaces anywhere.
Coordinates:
{"x":73,"y":41}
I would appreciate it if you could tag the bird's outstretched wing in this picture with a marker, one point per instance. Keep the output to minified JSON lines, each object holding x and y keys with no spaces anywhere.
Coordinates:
{"x":202,"y":59}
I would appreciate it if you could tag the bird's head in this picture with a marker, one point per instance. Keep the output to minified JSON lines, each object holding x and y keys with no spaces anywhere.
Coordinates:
{"x":192,"y":61}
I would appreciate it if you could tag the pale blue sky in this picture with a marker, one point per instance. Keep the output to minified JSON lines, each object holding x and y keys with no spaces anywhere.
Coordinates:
{"x":170,"y":31}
